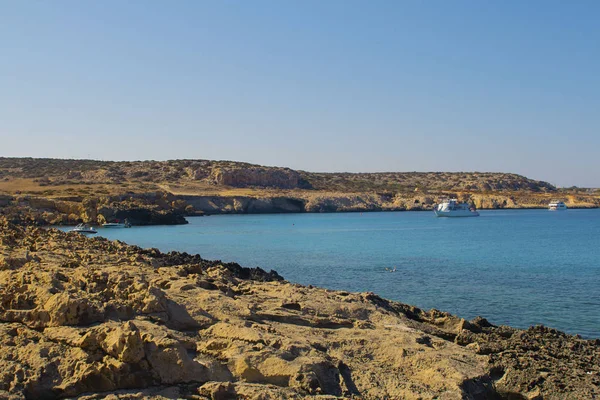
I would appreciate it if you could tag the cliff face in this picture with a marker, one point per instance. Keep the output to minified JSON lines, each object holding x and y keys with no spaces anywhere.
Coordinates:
{"x":140,"y":209}
{"x":160,"y":208}
{"x":245,"y":204}
{"x":359,"y":202}
{"x":80,"y":316}
{"x":281,"y":178}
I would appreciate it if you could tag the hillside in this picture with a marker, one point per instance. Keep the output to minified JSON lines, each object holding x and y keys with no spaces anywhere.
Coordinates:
{"x":55,"y":172}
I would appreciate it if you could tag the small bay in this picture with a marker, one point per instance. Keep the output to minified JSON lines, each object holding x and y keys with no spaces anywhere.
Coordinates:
{"x":514,"y":267}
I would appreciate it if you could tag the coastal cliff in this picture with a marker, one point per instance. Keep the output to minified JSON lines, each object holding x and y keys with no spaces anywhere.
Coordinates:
{"x":62,"y":192}
{"x":157,"y":208}
{"x":87,"y":318}
{"x":163,"y":208}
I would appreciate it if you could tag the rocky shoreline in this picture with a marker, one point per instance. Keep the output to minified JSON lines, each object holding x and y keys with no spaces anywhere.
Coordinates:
{"x":88,"y":318}
{"x":163,"y":208}
{"x":157,"y":208}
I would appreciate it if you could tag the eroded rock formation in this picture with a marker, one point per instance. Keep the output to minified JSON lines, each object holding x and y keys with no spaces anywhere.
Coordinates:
{"x":85,"y":318}
{"x":155,"y":208}
{"x":281,"y":178}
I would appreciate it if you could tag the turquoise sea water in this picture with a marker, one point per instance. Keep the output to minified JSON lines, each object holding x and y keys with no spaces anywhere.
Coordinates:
{"x":515,"y":267}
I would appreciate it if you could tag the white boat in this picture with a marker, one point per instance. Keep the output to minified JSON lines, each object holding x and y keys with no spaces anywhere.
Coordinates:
{"x":556,"y":205}
{"x":452,"y":208}
{"x":84,"y":228}
{"x":115,"y":225}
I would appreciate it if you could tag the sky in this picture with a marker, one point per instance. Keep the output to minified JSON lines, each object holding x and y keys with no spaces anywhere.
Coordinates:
{"x":335,"y":85}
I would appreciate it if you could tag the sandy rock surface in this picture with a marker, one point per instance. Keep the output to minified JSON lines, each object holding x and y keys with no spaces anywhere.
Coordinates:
{"x":90,"y":319}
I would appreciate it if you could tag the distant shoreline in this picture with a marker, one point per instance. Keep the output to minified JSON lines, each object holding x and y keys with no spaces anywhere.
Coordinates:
{"x":66,"y":192}
{"x":349,"y":212}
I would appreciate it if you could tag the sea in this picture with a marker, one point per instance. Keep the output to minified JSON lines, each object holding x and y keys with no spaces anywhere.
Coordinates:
{"x":513,"y":267}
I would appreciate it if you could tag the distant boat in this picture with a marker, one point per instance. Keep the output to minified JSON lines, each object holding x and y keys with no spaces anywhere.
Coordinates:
{"x":84,"y":228}
{"x":117,"y":224}
{"x":452,"y":208}
{"x":557,"y":206}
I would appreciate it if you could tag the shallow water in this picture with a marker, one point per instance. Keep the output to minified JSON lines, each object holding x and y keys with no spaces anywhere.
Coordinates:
{"x":515,"y":267}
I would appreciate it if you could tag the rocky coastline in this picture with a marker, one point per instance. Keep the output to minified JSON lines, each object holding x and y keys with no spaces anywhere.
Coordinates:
{"x":67,"y":192}
{"x":163,"y":208}
{"x":88,"y":318}
{"x":140,"y":209}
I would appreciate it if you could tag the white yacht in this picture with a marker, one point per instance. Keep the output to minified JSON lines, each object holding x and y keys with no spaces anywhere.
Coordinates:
{"x":452,"y":208}
{"x":84,"y":228}
{"x":556,"y":205}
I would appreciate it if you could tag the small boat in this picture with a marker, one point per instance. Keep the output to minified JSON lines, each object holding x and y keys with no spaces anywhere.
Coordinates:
{"x":113,"y":225}
{"x":84,"y":228}
{"x":556,"y":205}
{"x":117,"y":224}
{"x":452,"y":208}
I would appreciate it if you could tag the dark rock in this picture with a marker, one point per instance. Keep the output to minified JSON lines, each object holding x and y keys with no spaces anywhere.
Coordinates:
{"x":144,"y":216}
{"x":292,"y":306}
{"x":426,"y":340}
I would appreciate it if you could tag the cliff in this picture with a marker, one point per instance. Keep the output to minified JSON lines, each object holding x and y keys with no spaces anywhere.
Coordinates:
{"x":156,"y":208}
{"x":86,"y":318}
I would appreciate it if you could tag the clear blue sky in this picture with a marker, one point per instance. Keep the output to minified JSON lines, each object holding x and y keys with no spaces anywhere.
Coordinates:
{"x":329,"y":85}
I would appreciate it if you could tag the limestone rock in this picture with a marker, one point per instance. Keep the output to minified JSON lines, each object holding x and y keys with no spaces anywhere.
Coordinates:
{"x":89,"y":319}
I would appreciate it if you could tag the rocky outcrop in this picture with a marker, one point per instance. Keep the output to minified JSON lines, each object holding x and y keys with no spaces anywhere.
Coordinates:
{"x":156,"y":208}
{"x":281,"y":178}
{"x":88,"y":318}
{"x":540,"y":362}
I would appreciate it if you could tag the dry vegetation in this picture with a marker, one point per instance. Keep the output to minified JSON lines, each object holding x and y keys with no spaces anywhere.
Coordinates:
{"x":199,"y":175}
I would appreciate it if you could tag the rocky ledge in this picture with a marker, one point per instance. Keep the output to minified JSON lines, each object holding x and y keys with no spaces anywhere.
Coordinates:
{"x":153,"y":208}
{"x":90,"y":318}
